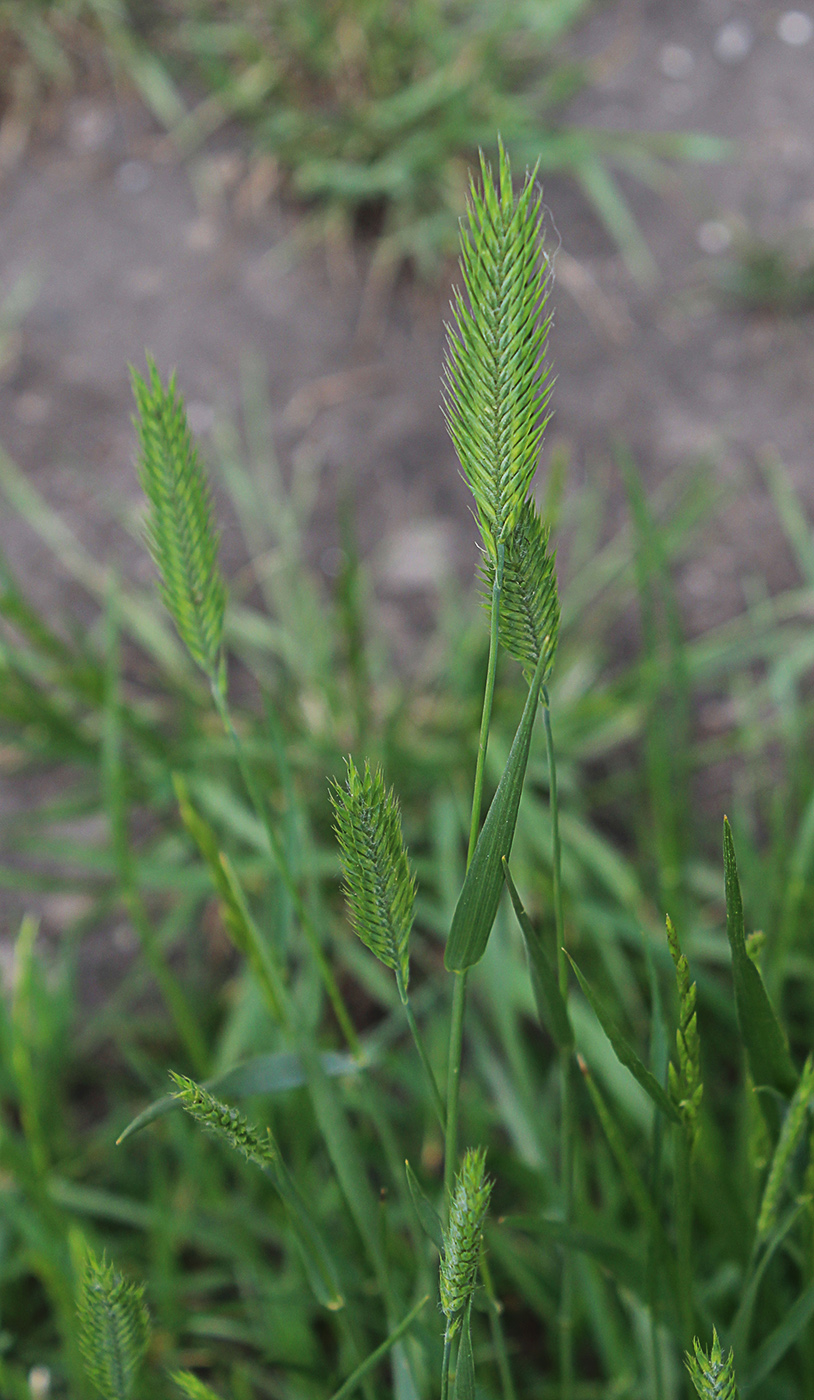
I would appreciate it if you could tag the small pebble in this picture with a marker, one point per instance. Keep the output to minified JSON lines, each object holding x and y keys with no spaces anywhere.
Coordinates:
{"x":676,"y":61}
{"x":90,"y":129}
{"x":201,"y":235}
{"x":39,"y":1382}
{"x":733,"y":42}
{"x":134,"y":177}
{"x":714,"y":237}
{"x":795,"y":28}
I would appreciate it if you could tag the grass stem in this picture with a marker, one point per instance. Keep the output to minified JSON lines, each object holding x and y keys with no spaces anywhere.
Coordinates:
{"x":445,"y":1365}
{"x":459,"y":987}
{"x":286,"y":875}
{"x":566,"y":1321}
{"x":437,"y":1101}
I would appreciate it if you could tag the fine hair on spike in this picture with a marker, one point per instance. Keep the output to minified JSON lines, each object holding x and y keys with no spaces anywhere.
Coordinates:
{"x":379,"y":884}
{"x":496,"y":375}
{"x":180,"y":529}
{"x":463,"y":1237}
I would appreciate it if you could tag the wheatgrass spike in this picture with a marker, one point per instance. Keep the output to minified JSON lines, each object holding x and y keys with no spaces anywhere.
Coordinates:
{"x":180,"y":528}
{"x":496,"y":377}
{"x":114,"y":1328}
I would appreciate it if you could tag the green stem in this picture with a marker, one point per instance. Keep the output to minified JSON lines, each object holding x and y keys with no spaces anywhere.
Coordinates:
{"x":354,"y":1380}
{"x":498,"y":1338}
{"x":445,"y":1365}
{"x":456,"y":1034}
{"x":683,"y":1209}
{"x":566,"y":1085}
{"x":653,"y":1263}
{"x":437,"y":1101}
{"x":284,"y":870}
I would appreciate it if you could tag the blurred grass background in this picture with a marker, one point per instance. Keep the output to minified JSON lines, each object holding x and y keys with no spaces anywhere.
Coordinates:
{"x":373,"y":112}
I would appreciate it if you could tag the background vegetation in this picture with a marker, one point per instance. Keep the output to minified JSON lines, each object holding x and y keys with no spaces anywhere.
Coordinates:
{"x":153,"y":833}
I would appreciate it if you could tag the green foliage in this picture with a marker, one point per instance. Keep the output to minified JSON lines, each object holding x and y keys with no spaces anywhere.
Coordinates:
{"x":192,"y":1387}
{"x":463,"y":1236}
{"x":315,"y":1272}
{"x":496,"y":375}
{"x":791,"y":1134}
{"x":713,"y":1374}
{"x":379,"y":884}
{"x":114,"y":1328}
{"x":529,"y":604}
{"x":180,"y":531}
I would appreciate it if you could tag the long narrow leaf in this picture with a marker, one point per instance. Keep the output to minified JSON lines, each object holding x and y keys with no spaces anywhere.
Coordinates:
{"x":477,"y":904}
{"x":625,"y":1053}
{"x":761,"y":1032}
{"x":551,"y":1005}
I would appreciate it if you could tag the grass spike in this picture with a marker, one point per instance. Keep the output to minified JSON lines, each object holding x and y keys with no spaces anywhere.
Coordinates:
{"x":463,"y":1236}
{"x":113,"y":1326}
{"x":379,"y":884}
{"x":496,"y":375}
{"x":686,"y":1088}
{"x":529,"y":601}
{"x":180,"y":530}
{"x":791,"y":1133}
{"x":712,"y":1374}
{"x":226,"y":1123}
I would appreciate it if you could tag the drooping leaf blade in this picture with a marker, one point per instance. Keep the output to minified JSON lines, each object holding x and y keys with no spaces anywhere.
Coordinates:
{"x":465,"y":1368}
{"x":427,"y":1214}
{"x":761,"y":1032}
{"x":624,"y":1052}
{"x":551,"y":1005}
{"x":263,"y":1074}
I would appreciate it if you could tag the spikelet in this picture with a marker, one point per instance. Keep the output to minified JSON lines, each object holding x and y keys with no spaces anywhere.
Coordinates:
{"x":685,"y":1077}
{"x":464,"y":1235}
{"x":180,"y":530}
{"x":226,"y":1123}
{"x":114,"y":1328}
{"x":496,"y":377}
{"x":529,"y":602}
{"x":712,"y":1375}
{"x":791,"y":1133}
{"x":379,"y":884}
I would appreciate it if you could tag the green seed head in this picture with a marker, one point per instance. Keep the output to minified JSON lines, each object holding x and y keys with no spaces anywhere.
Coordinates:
{"x":463,"y":1235}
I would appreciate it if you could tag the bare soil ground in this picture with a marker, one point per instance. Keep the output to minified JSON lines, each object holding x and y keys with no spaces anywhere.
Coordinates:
{"x":129,"y":250}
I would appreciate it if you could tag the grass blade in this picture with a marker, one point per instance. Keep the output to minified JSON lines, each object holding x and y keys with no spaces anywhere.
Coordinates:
{"x":355,"y":1380}
{"x":625,"y":1053}
{"x":476,"y":909}
{"x":551,"y":1005}
{"x":761,"y":1032}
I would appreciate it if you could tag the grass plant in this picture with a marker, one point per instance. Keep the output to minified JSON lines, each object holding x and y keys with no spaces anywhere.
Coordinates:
{"x":644,"y":1095}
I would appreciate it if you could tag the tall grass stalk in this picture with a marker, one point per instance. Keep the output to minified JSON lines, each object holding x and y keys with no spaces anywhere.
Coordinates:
{"x":566,"y":1069}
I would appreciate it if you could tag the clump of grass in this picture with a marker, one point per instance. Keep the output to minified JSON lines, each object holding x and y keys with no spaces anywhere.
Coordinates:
{"x":635,"y":1211}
